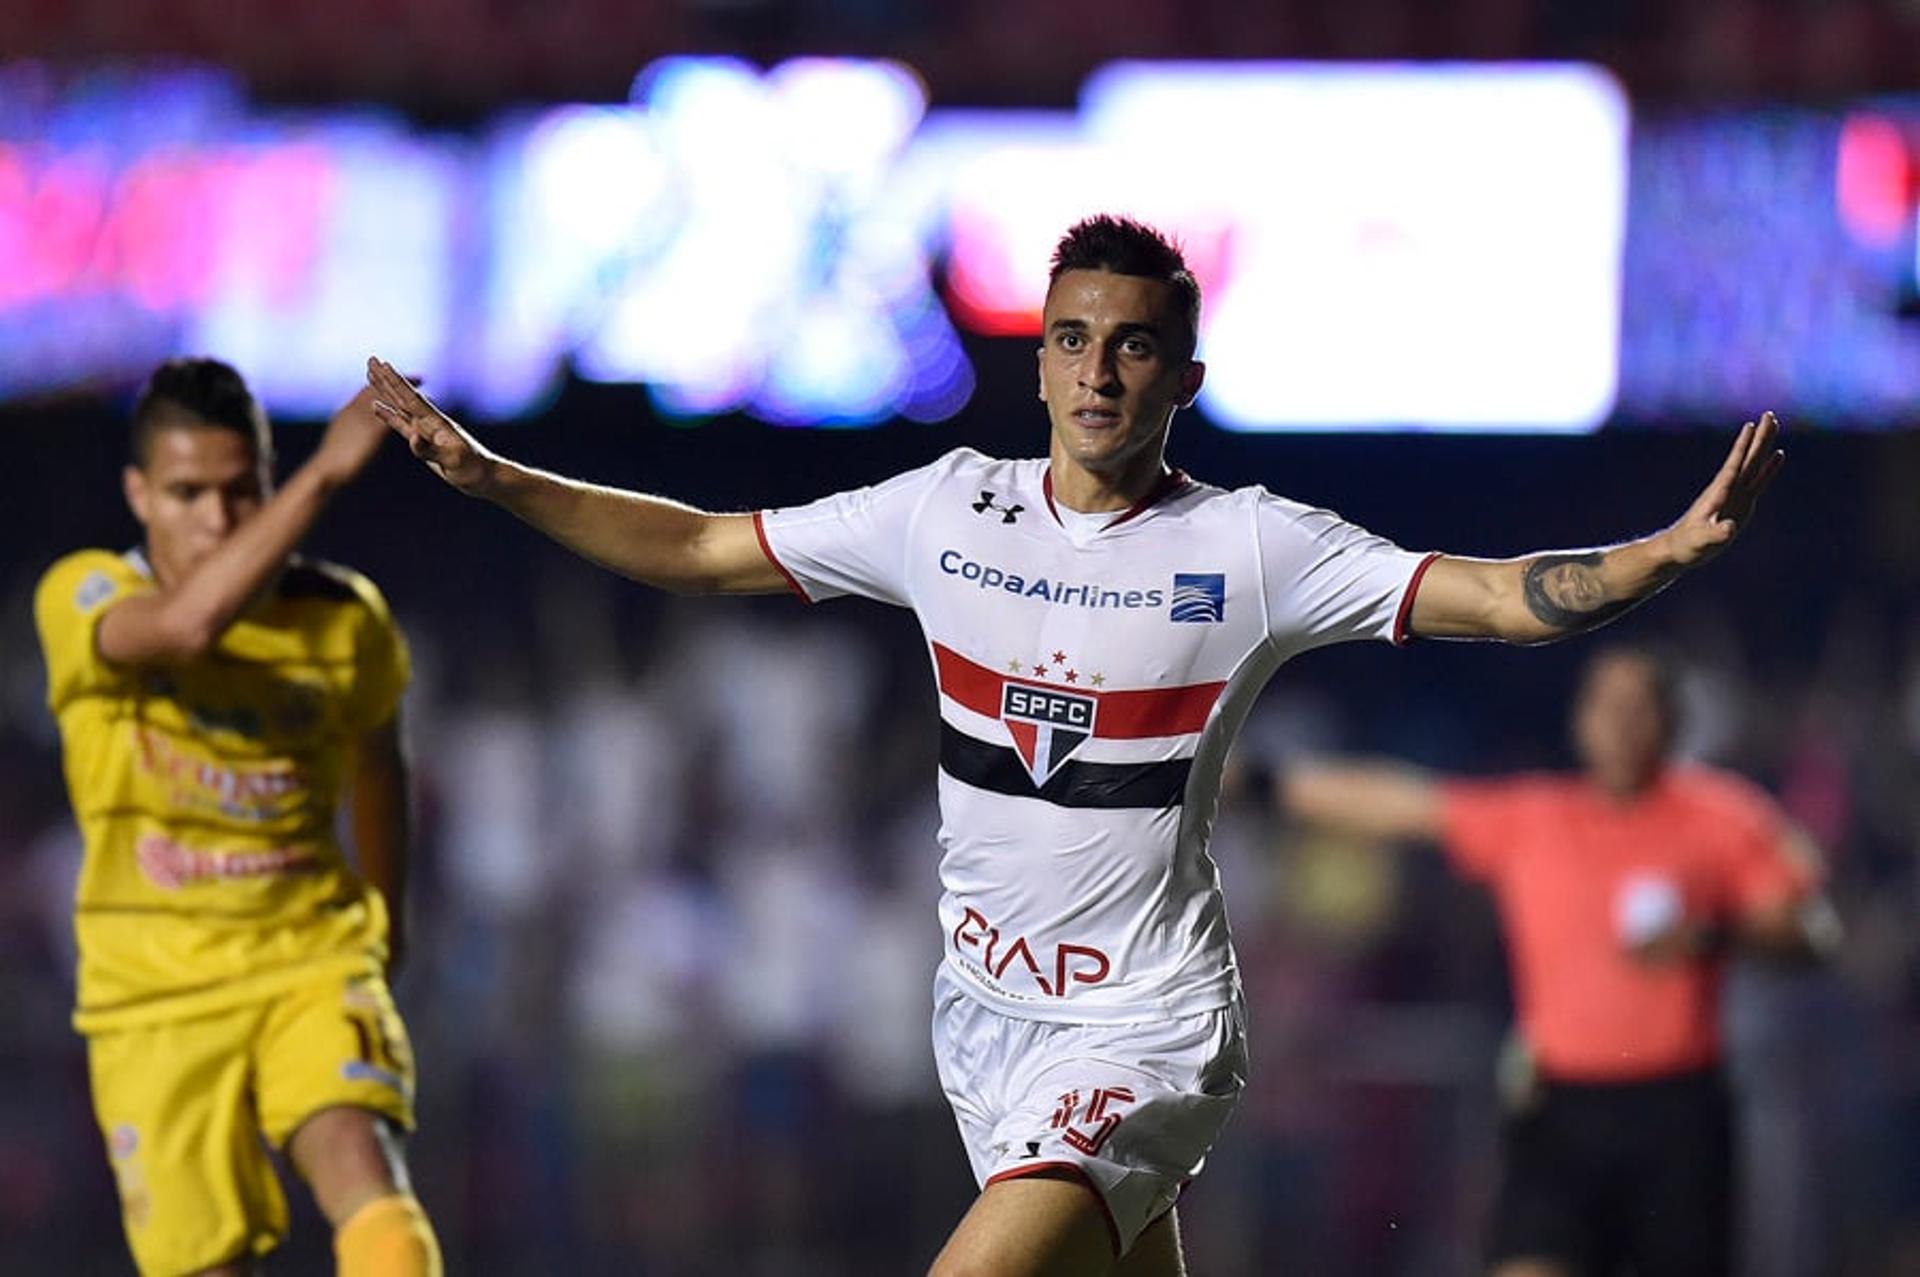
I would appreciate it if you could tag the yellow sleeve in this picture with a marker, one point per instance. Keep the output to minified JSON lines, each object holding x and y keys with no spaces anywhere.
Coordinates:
{"x":383,"y":666}
{"x":67,"y":606}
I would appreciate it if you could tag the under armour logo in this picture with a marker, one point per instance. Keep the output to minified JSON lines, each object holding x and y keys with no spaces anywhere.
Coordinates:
{"x":1007,"y":513}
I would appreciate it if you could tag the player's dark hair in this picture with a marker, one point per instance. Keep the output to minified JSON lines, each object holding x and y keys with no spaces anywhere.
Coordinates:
{"x":197,"y":392}
{"x":1125,"y":246}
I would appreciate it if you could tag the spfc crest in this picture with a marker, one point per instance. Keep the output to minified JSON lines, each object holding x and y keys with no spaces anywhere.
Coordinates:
{"x":1047,"y":725}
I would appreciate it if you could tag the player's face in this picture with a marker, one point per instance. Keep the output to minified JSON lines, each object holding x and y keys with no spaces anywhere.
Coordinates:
{"x":1620,"y":723}
{"x":199,"y":483}
{"x":1114,"y":366}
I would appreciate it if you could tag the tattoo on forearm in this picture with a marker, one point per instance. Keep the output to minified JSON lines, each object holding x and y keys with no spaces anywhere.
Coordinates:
{"x":1565,"y":591}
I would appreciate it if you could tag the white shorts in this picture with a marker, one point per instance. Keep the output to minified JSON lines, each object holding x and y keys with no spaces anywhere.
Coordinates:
{"x":1134,"y":1108}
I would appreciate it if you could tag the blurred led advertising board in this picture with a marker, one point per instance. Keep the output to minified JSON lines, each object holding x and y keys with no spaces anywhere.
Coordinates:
{"x":1442,"y":247}
{"x":1772,"y":261}
{"x":733,"y":239}
{"x":146,"y":215}
{"x":1380,"y":246}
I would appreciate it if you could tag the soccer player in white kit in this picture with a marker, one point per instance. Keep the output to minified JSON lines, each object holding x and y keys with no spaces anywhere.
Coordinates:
{"x":1098,"y":625}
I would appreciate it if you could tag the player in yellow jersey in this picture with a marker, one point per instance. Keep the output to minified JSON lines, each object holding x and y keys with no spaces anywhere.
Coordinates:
{"x":216,"y":698}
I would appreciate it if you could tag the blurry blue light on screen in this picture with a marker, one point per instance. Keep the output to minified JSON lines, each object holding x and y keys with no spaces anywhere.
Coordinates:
{"x":570,"y":192}
{"x":374,"y":273}
{"x":756,"y":267}
{"x":1748,"y":289}
{"x":1441,"y":247}
{"x":148,"y":213}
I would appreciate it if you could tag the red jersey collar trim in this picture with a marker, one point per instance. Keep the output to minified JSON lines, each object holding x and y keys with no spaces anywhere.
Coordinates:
{"x":1171,"y":481}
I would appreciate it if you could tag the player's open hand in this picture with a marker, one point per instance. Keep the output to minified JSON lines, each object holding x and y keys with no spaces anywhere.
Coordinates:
{"x":1720,"y":512}
{"x":431,"y":435}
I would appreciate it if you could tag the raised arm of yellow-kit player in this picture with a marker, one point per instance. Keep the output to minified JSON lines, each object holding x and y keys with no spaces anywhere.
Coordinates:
{"x":662,"y":543}
{"x":1541,"y":597}
{"x":229,"y":498}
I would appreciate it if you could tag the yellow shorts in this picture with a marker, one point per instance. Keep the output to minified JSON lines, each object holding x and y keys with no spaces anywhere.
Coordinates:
{"x":187,"y":1108}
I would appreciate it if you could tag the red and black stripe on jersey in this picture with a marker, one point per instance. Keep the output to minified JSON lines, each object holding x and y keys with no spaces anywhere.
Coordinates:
{"x":1120,"y":714}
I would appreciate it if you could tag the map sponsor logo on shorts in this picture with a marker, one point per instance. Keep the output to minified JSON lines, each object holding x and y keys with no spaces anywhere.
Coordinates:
{"x":1199,"y":598}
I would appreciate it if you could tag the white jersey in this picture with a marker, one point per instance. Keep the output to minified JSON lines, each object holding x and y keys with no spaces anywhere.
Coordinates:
{"x":1091,"y":676}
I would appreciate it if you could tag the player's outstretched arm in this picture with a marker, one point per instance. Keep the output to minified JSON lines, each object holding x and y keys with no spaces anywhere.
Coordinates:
{"x":1369,"y":800}
{"x":660,"y":542}
{"x":184,"y":618}
{"x":1541,"y":597}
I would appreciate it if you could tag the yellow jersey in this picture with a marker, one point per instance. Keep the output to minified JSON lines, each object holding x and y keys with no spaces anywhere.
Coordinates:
{"x":207,"y":791}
